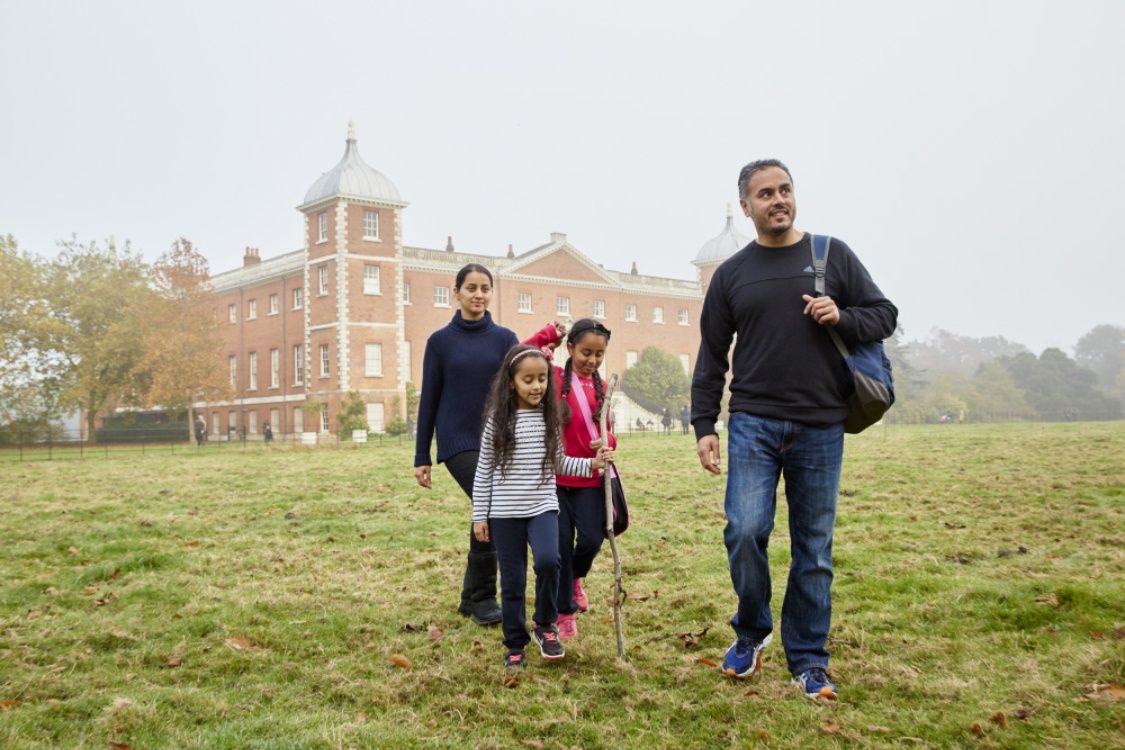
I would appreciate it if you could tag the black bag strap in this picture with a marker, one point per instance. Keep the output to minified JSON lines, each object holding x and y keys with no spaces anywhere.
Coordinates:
{"x":821,"y":244}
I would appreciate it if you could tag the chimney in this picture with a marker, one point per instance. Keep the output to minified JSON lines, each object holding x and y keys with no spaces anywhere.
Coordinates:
{"x":251,"y":257}
{"x":558,"y":237}
{"x":449,"y":244}
{"x":633,"y":270}
{"x":511,"y":252}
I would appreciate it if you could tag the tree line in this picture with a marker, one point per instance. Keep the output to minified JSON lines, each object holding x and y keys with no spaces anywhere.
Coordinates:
{"x":97,"y":328}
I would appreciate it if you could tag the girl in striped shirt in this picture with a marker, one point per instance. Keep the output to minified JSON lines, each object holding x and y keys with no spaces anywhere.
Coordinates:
{"x":514,"y":501}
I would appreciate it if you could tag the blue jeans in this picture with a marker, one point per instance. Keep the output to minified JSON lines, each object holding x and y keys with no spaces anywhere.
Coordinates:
{"x":759,"y":451}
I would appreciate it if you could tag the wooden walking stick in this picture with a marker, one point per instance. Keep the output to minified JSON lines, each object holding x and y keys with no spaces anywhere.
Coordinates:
{"x":618,"y":591}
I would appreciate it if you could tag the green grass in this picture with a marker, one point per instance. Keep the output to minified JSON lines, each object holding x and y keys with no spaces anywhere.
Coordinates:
{"x":252,"y":597}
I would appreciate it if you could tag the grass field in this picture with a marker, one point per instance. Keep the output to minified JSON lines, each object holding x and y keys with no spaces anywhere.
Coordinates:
{"x":253,"y":598}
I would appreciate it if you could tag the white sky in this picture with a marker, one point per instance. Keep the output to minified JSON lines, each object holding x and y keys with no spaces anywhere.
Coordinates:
{"x":970,"y":152}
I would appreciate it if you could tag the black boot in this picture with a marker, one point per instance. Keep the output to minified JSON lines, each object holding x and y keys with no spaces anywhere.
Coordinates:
{"x":480,"y":582}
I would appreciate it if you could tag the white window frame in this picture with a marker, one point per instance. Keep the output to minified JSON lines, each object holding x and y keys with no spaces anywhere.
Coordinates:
{"x":298,"y":298}
{"x":232,"y":313}
{"x":631,"y":359}
{"x":325,"y":425}
{"x":630,"y":312}
{"x":252,"y":309}
{"x":322,"y":281}
{"x":232,"y":365}
{"x":371,"y":279}
{"x":685,"y":360}
{"x":682,"y":316}
{"x":658,"y":315}
{"x":252,"y":422}
{"x":406,"y":293}
{"x":275,"y":368}
{"x":524,"y":302}
{"x":370,"y":222}
{"x":441,"y":296}
{"x":373,"y":360}
{"x":273,"y":304}
{"x":325,"y":361}
{"x":599,"y":308}
{"x":322,"y":227}
{"x":298,"y":419}
{"x":252,"y":367}
{"x":298,"y":364}
{"x":562,"y":305}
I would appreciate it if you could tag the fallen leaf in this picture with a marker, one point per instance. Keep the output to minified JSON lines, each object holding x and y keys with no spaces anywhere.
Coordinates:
{"x":761,"y":734}
{"x":119,"y":746}
{"x":751,"y":691}
{"x":477,"y":646}
{"x":729,"y":672}
{"x":7,"y":703}
{"x":830,"y":727}
{"x":412,"y":628}
{"x":1112,"y":692}
{"x":691,"y":640}
{"x":827,"y":693}
{"x":999,"y":719}
{"x":191,"y":545}
{"x":45,"y":575}
{"x":173,"y":661}
{"x":361,"y":718}
{"x":1097,"y":635}
{"x":72,"y":550}
{"x":510,"y":681}
{"x":1022,"y":714}
{"x":116,"y":572}
{"x":238,"y":644}
{"x":537,"y":744}
{"x":879,"y":729}
{"x":1051,"y":600}
{"x":977,"y":729}
{"x":177,"y":616}
{"x":707,"y":663}
{"x":1052,"y":632}
{"x":1119,"y":633}
{"x":89,"y":591}
{"x":435,"y":633}
{"x":399,"y":660}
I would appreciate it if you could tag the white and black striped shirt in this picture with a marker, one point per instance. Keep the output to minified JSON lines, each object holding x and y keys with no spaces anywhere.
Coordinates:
{"x":522,"y":491}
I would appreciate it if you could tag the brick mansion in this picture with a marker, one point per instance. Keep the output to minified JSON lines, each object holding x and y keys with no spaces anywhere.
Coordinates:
{"x":352,"y":308}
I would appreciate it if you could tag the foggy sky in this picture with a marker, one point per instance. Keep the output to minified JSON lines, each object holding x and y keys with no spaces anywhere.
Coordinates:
{"x":969,"y":152}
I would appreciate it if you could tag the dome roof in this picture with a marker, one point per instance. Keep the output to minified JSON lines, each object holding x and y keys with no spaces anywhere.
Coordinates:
{"x":353,"y":178}
{"x":725,"y":244}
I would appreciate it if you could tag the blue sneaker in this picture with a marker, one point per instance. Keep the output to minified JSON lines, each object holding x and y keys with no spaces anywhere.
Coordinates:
{"x":744,"y":657}
{"x":814,"y":683}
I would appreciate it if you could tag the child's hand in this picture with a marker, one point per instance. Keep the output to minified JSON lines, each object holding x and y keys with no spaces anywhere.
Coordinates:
{"x":605,"y":456}
{"x":480,"y":531}
{"x":560,"y":326}
{"x":595,"y":445}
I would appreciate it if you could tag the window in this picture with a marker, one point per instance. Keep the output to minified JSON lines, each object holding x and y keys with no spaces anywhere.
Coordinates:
{"x":406,"y":294}
{"x":373,"y":360}
{"x":252,"y":423}
{"x":375,"y":418}
{"x":441,"y":296}
{"x":298,"y":364}
{"x":599,"y":308}
{"x":298,"y":419}
{"x":322,"y":281}
{"x":322,"y":227}
{"x":232,"y":422}
{"x":232,"y":363}
{"x":405,"y":364}
{"x":682,"y":316}
{"x":370,"y":225}
{"x":325,"y":370}
{"x":252,"y":360}
{"x":371,"y":280}
{"x":324,"y":418}
{"x":275,"y":368}
{"x":631,"y":313}
{"x":232,"y":313}
{"x":685,"y":360}
{"x":216,"y":423}
{"x":298,"y":298}
{"x":562,"y":305}
{"x":525,"y":302}
{"x":273,"y":304}
{"x":658,"y":314}
{"x":275,"y":419}
{"x":630,"y":359}
{"x":252,"y":309}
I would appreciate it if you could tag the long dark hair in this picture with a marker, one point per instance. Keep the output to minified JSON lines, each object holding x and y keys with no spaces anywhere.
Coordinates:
{"x":577,"y":331}
{"x":503,"y":404}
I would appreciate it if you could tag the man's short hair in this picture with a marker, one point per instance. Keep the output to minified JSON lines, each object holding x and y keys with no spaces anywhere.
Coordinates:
{"x":757,"y":166}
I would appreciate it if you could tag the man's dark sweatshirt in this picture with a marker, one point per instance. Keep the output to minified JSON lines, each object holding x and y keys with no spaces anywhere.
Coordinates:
{"x":784,"y":365}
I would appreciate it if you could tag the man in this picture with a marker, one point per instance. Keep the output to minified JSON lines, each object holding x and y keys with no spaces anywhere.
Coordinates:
{"x":787,"y":409}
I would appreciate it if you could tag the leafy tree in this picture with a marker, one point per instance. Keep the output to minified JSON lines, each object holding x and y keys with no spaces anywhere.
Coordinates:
{"x":97,"y":297}
{"x":1059,"y":389}
{"x":1103,"y":351}
{"x":182,"y":347}
{"x":943,"y":351}
{"x":656,"y":381}
{"x":353,"y":414}
{"x":994,"y":394}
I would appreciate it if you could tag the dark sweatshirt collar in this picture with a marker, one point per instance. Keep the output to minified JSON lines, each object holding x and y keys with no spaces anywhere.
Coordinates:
{"x":472,"y":326}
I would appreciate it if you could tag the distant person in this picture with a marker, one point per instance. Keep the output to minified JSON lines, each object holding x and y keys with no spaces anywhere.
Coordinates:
{"x":787,"y":408}
{"x":666,"y":421}
{"x":200,"y":430}
{"x":640,"y":425}
{"x":457,"y":369}
{"x":514,"y":501}
{"x":685,"y":419}
{"x":267,"y":432}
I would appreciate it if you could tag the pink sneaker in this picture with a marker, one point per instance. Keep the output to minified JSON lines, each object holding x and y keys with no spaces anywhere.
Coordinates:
{"x":568,"y":627}
{"x":580,"y":596}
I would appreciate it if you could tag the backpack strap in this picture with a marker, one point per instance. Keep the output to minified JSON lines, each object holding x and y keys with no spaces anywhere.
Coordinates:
{"x":821,"y":244}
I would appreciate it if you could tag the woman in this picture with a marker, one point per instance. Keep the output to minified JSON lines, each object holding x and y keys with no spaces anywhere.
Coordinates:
{"x":457,"y":369}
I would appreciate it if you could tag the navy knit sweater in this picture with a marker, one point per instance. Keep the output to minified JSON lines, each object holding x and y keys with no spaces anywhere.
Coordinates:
{"x":457,"y":371}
